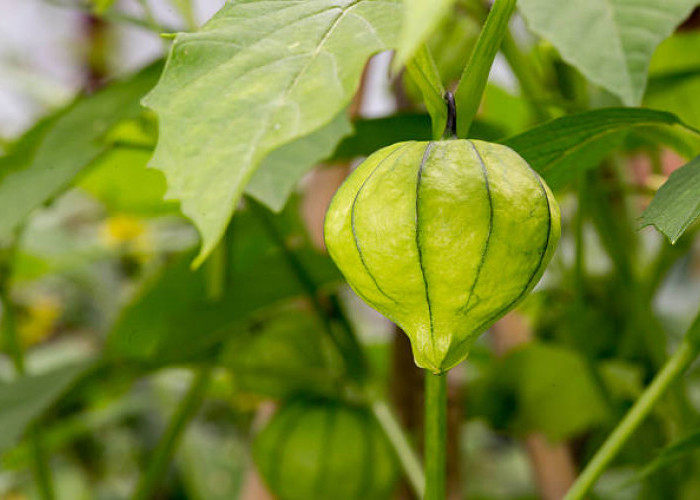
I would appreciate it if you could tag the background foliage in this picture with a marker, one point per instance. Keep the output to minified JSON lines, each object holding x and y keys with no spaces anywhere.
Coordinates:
{"x":163,"y":288}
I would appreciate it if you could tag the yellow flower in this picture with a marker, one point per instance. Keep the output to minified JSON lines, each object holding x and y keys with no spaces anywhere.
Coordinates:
{"x":39,"y":320}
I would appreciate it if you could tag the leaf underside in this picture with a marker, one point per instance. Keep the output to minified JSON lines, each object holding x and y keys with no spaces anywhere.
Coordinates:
{"x":677,"y":203}
{"x":274,"y":181}
{"x":257,"y":76}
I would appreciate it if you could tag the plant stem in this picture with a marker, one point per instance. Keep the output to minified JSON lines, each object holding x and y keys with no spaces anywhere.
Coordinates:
{"x":435,"y":435}
{"x":618,"y":240}
{"x":216,"y":281}
{"x":404,"y":452}
{"x":160,"y":459}
{"x":42,"y":472}
{"x":527,"y":78}
{"x":347,"y":345}
{"x":523,"y":70}
{"x":153,"y":23}
{"x":473,"y":81}
{"x":352,"y":354}
{"x":10,"y":336}
{"x":113,"y":17}
{"x":674,"y":367}
{"x":185,"y":8}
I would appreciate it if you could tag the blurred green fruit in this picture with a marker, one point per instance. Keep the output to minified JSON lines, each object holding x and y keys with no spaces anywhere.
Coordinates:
{"x":317,"y":450}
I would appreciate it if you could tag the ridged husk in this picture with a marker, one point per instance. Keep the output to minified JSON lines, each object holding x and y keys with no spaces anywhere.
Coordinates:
{"x":325,"y":449}
{"x":443,"y":238}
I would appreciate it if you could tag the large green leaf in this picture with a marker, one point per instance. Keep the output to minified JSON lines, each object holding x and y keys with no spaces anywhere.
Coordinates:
{"x":610,"y":41}
{"x":420,"y":19}
{"x":172,"y":318}
{"x":674,"y":81}
{"x":677,"y":203}
{"x":561,"y":148}
{"x":277,"y":175}
{"x":59,"y":148}
{"x":256,"y":77}
{"x":538,"y":387}
{"x":26,"y":398}
{"x":554,"y":390}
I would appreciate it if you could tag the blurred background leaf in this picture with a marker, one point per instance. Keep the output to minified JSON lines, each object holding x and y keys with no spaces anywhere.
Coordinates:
{"x":23,"y":400}
{"x":35,"y":173}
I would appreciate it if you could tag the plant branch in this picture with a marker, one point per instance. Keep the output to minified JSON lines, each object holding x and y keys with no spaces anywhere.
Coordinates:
{"x":676,"y":366}
{"x":522,"y":69}
{"x":10,"y":336}
{"x":114,"y":17}
{"x":399,"y":441}
{"x":435,"y":442}
{"x":187,"y":12}
{"x":150,"y":17}
{"x":216,"y":281}
{"x":473,"y":81}
{"x":351,"y":351}
{"x":528,"y":80}
{"x":166,"y":447}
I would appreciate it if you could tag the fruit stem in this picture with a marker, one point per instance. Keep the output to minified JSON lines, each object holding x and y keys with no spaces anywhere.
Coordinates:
{"x":435,"y":435}
{"x":686,"y":353}
{"x":451,"y":124}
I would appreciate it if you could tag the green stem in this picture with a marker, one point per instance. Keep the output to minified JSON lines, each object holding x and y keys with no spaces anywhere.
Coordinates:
{"x":580,"y":332}
{"x":113,"y":17}
{"x":404,"y":452}
{"x":185,"y":8}
{"x":473,"y":81}
{"x":523,"y":70}
{"x":529,"y":83}
{"x":617,"y":238}
{"x":435,"y":436}
{"x":150,"y":17}
{"x":42,"y":473}
{"x":160,"y":460}
{"x":9,"y":330}
{"x":10,"y":336}
{"x":351,"y":351}
{"x":674,"y":367}
{"x":216,"y":281}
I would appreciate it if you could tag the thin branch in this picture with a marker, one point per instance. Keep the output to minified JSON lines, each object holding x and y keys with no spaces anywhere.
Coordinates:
{"x":686,"y":353}
{"x":10,"y":335}
{"x":166,"y":447}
